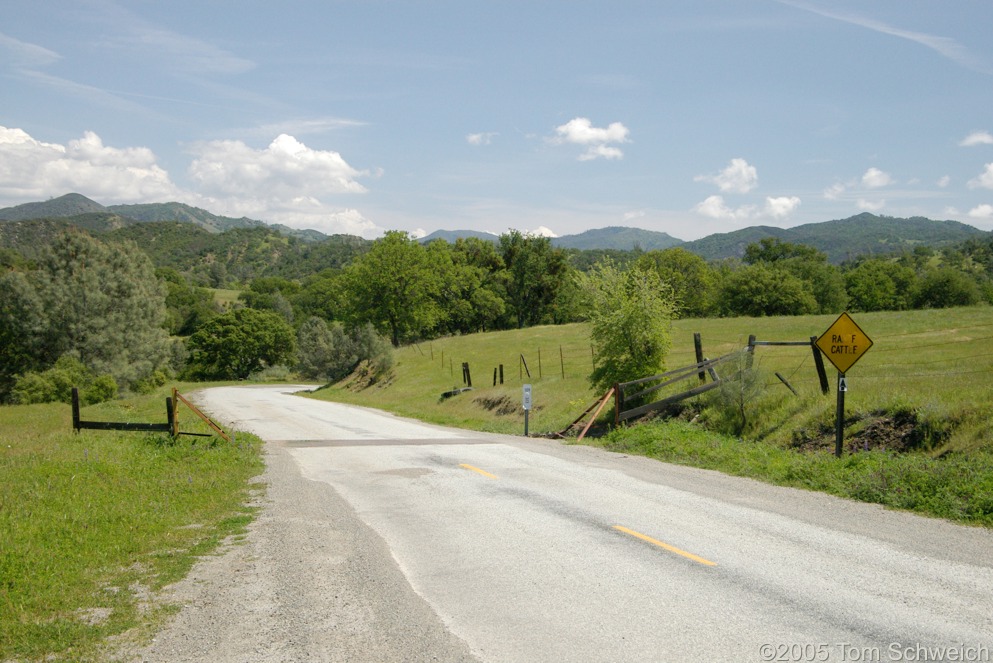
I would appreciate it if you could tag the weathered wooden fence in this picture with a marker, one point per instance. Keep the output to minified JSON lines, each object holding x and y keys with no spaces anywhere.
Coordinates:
{"x":705,"y":368}
{"x":170,"y":426}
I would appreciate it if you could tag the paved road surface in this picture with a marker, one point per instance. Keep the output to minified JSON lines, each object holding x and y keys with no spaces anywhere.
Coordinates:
{"x":507,"y":549}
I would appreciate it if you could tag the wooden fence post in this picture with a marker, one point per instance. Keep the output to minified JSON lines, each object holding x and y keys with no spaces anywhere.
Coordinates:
{"x":819,"y":363}
{"x":698,"y":346}
{"x":618,"y":399}
{"x":75,"y":409}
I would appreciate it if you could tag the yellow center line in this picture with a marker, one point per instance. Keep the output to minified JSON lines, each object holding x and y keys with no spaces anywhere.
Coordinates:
{"x":476,"y":469}
{"x":665,"y":546}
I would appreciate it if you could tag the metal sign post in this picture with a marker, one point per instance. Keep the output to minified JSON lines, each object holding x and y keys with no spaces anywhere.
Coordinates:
{"x":843,"y":344}
{"x":526,"y":396}
{"x":839,"y":426}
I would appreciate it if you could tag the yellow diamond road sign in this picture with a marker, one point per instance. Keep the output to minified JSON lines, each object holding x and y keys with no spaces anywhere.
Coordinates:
{"x":844,"y":343}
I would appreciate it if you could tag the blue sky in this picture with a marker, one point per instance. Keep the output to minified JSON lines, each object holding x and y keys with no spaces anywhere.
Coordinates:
{"x":689,"y":117}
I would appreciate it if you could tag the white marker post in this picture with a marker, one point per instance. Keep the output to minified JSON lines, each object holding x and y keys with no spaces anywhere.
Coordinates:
{"x":527,"y":406}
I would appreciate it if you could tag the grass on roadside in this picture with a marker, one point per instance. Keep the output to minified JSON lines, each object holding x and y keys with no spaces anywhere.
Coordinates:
{"x":91,"y":522}
{"x":957,"y":487}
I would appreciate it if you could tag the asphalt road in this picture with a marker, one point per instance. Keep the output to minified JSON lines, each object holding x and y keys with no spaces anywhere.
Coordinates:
{"x":531,"y":550}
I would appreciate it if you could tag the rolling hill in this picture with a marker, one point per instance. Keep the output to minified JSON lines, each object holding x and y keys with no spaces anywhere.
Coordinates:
{"x":840,"y":239}
{"x":74,"y":205}
{"x":843,"y":239}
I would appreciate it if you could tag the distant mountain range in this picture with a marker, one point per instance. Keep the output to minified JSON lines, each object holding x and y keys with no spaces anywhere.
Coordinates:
{"x":839,"y":239}
{"x":74,"y":204}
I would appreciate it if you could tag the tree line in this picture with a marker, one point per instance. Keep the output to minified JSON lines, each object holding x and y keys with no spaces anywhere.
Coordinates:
{"x":99,"y":311}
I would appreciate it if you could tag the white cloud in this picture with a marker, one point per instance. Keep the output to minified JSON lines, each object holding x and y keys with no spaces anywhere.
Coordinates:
{"x":418,"y":233}
{"x":738,"y":177}
{"x":325,"y":219}
{"x":484,"y":138}
{"x":984,"y":211}
{"x":977,"y":138}
{"x":31,"y":169}
{"x":285,"y":169}
{"x":875,"y":179}
{"x":871,"y":205}
{"x":715,"y":208}
{"x":781,"y":207}
{"x":287,"y":182}
{"x":985,"y":180}
{"x":777,"y":208}
{"x":834,"y":191}
{"x":580,"y":131}
{"x":944,"y":181}
{"x":605,"y":151}
{"x":542,"y":231}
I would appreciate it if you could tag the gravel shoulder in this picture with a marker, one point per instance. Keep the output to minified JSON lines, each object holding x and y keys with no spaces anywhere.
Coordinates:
{"x":309,"y":583}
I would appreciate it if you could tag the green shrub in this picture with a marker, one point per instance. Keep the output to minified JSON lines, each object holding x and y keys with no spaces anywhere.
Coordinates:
{"x":34,"y":388}
{"x":373,"y":347}
{"x":329,"y":352}
{"x":55,"y":384}
{"x":103,"y":388}
{"x":152,"y":382}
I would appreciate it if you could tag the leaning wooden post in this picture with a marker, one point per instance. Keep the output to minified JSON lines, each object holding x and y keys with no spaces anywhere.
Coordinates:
{"x":819,"y":363}
{"x":698,"y":346}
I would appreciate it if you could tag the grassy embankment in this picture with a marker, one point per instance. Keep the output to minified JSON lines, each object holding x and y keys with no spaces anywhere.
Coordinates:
{"x":919,"y":428}
{"x":92,"y":522}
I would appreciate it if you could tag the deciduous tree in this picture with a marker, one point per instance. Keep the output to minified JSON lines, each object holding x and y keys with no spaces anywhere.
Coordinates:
{"x":535,"y":272}
{"x":394,"y":287}
{"x":693,"y":281}
{"x":630,"y":315}
{"x":239,"y":343}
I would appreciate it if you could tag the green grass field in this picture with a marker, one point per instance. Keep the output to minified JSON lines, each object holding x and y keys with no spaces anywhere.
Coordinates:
{"x":225,"y":298}
{"x":939,"y":363}
{"x":91,"y":522}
